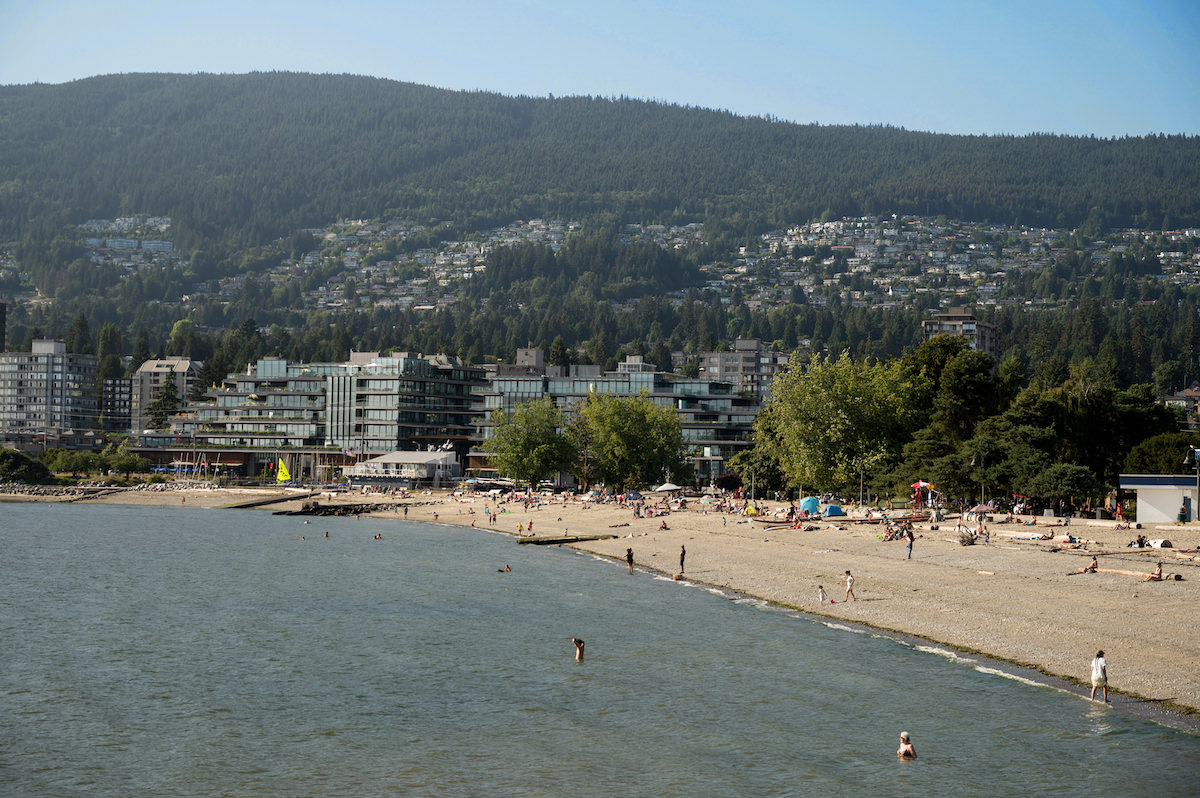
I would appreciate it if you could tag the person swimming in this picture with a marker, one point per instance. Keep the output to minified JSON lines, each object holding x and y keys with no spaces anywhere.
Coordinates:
{"x":906,"y":750}
{"x":578,"y":649}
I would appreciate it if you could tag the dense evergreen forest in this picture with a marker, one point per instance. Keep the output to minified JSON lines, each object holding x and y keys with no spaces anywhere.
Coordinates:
{"x":240,"y":160}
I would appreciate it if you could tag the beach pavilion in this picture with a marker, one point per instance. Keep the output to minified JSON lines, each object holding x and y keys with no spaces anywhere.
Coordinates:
{"x":1159,"y":496}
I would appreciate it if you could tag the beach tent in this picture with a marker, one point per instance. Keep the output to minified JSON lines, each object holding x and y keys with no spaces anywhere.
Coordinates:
{"x":832,"y":509}
{"x":666,"y":487}
{"x":810,"y":504}
{"x":633,"y":494}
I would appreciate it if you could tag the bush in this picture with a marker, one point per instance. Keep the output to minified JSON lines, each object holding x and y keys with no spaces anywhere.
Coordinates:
{"x":19,"y":467}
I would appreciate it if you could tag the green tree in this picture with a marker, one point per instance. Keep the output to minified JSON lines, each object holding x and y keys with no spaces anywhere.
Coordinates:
{"x":17,"y":466}
{"x":126,"y":463}
{"x":529,"y":446}
{"x":1168,"y":453}
{"x":629,"y":441}
{"x":840,"y":421}
{"x":1064,"y":481}
{"x":164,"y":403}
{"x":141,"y":350}
{"x":79,"y":338}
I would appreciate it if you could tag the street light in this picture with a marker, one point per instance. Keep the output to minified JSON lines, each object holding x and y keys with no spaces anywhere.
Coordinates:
{"x":1195,"y":458}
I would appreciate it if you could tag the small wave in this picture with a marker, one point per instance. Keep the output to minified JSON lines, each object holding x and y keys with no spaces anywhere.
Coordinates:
{"x":942,"y":652}
{"x":1014,"y":677}
{"x":844,"y":628}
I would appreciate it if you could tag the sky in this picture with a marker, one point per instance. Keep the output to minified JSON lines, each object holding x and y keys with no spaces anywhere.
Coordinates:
{"x":1107,"y":68}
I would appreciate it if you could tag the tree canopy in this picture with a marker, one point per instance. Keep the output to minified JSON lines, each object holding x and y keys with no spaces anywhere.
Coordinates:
{"x":628,"y":441}
{"x":941,"y":414}
{"x":528,"y":446}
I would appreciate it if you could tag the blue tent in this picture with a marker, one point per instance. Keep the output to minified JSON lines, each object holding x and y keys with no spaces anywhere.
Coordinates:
{"x":832,"y":509}
{"x":810,"y":504}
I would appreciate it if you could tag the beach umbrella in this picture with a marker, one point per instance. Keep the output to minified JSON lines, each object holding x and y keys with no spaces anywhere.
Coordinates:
{"x":708,"y":500}
{"x":981,"y":508}
{"x":667,"y":487}
{"x":920,"y":483}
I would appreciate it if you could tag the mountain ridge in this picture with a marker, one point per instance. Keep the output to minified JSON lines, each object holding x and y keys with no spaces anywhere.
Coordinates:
{"x":238,"y":160}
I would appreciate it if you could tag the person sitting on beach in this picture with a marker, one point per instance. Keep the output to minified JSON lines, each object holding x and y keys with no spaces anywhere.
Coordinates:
{"x":663,"y":525}
{"x":1090,"y":568}
{"x":906,"y":750}
{"x":1156,"y":576}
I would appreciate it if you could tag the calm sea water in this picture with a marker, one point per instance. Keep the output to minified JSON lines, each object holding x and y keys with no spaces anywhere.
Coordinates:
{"x":180,"y":652}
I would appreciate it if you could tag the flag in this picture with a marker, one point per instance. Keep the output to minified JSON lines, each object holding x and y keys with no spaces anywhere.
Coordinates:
{"x":281,"y":474}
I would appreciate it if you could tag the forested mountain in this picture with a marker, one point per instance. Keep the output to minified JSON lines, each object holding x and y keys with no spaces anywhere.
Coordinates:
{"x":239,"y":160}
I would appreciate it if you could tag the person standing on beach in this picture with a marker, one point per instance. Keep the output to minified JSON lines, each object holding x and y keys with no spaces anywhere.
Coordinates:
{"x":682,"y":554}
{"x":908,"y":533}
{"x":821,"y":597}
{"x":850,"y":588}
{"x":1100,"y":675}
{"x":629,"y":559}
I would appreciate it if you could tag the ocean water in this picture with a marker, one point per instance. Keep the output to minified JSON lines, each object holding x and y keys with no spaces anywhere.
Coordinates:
{"x":190,"y":652}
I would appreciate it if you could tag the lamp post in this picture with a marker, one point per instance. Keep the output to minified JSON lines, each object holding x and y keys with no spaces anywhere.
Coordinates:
{"x":1195,"y":458}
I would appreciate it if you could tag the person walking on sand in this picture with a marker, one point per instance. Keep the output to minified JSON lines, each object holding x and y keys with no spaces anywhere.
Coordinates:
{"x":682,"y":554}
{"x":850,"y":588}
{"x":629,"y":559}
{"x":1100,"y":675}
{"x":821,"y":597}
{"x":906,"y":750}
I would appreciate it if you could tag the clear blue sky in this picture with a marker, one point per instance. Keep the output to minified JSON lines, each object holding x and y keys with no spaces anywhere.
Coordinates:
{"x":1108,"y":68}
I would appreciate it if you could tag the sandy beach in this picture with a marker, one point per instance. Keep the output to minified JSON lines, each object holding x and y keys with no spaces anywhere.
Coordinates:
{"x":1016,"y":599}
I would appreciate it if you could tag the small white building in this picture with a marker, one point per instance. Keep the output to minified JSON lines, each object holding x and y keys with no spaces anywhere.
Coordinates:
{"x":405,"y":469}
{"x":1159,"y":496}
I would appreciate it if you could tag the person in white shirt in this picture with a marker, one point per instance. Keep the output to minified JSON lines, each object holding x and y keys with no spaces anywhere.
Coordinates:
{"x":1100,"y":675}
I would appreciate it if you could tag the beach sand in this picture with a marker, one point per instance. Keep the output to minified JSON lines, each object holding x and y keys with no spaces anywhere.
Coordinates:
{"x":1012,"y":599}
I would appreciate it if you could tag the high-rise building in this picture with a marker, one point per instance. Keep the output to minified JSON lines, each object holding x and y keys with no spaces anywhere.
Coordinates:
{"x":402,"y":402}
{"x":47,"y":392}
{"x":749,"y":366}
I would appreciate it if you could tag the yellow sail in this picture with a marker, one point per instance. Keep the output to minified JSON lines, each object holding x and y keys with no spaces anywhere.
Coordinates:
{"x":281,"y":473}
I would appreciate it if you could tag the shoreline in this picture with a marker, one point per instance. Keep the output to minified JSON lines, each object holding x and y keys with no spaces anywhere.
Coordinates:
{"x":1018,"y":603}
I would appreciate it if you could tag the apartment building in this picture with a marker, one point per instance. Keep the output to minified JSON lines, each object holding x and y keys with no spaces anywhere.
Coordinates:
{"x":749,"y":367}
{"x":47,"y":391}
{"x":961,"y":322}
